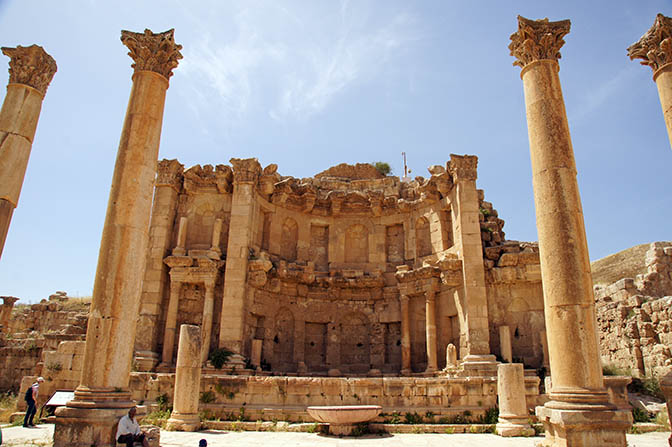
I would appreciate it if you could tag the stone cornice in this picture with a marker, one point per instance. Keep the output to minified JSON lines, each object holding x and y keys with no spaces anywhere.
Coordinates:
{"x":245,"y":170}
{"x":537,"y":40}
{"x":654,"y":47}
{"x":463,"y":167}
{"x":153,"y":52}
{"x":30,"y":66}
{"x":169,"y":173}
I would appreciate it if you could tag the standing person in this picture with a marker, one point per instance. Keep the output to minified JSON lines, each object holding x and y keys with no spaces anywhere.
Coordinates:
{"x":129,"y":431}
{"x":31,"y":399}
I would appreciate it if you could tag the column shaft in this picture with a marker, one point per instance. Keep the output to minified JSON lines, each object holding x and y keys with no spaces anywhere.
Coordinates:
{"x":31,"y":70}
{"x":405,"y":336}
{"x":187,"y":381}
{"x":171,"y":323}
{"x":206,"y":329}
{"x":430,"y":330}
{"x":565,"y":267}
{"x":663,"y":78}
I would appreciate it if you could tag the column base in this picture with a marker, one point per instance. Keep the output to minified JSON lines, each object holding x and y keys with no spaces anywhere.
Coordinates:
{"x":513,"y":426}
{"x":478,"y":365}
{"x":603,"y":426}
{"x":183,"y":422}
{"x":146,"y":361}
{"x":84,"y":427}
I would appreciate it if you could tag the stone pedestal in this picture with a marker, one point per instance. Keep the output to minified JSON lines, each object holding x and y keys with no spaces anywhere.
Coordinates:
{"x":579,"y":413}
{"x":513,"y":418}
{"x":451,"y":356}
{"x":655,"y":51}
{"x":30,"y":72}
{"x":103,"y":395}
{"x":187,"y":381}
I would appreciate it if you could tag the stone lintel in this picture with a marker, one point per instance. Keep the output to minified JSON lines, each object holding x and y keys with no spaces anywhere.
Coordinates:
{"x":537,"y":40}
{"x":153,"y":52}
{"x":30,"y":66}
{"x":654,"y":48}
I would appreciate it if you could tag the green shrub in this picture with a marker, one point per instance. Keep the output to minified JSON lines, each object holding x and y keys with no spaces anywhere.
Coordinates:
{"x":412,"y":418}
{"x":207,"y":397}
{"x":613,"y":370}
{"x":639,"y":415}
{"x":162,"y":402}
{"x":219,"y":357}
{"x":382,"y":167}
{"x":648,"y":385}
{"x":490,"y":416}
{"x":158,"y":418}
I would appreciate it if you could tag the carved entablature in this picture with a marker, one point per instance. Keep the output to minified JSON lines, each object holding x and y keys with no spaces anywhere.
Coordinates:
{"x":245,"y":170}
{"x":463,"y":167}
{"x":537,"y":40}
{"x":194,"y":270}
{"x":30,"y":66}
{"x":153,"y":52}
{"x":169,"y":173}
{"x":199,"y":179}
{"x":655,"y":47}
{"x":417,"y":281}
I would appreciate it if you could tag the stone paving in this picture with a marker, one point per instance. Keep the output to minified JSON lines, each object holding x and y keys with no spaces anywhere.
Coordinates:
{"x":42,"y":435}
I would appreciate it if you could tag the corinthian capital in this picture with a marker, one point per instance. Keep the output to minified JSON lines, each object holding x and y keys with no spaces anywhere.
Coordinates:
{"x":655,"y":47}
{"x":245,"y":170}
{"x":463,"y":167}
{"x":169,"y":173}
{"x":537,"y":40}
{"x":31,"y":66}
{"x":153,"y":52}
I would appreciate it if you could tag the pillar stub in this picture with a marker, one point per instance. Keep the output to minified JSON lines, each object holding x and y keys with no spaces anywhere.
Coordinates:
{"x":155,"y":52}
{"x":31,"y":66}
{"x":537,"y":40}
{"x":654,"y":48}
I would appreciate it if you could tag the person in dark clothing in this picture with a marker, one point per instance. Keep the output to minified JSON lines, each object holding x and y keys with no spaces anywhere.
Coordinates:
{"x":31,"y":399}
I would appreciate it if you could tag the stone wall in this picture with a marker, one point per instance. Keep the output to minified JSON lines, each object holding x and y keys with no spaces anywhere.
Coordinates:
{"x":635,"y":317}
{"x":285,"y":398}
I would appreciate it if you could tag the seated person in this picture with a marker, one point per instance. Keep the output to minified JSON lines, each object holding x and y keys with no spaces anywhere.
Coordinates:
{"x":129,"y":431}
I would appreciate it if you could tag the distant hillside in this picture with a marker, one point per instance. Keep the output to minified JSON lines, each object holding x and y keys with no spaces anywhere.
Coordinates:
{"x":624,"y":264}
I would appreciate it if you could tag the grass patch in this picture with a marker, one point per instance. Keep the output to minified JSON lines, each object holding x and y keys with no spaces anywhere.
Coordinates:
{"x":649,"y":385}
{"x":7,"y":406}
{"x":158,"y":418}
{"x":613,"y":370}
{"x":79,"y":304}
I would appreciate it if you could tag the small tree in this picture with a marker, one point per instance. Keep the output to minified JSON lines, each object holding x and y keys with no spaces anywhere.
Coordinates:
{"x":383,"y":167}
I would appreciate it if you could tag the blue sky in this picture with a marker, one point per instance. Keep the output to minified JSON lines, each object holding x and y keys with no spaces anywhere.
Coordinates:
{"x":310,"y":84}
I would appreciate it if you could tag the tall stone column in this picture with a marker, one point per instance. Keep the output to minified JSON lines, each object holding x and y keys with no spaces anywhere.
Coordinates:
{"x":430,"y":328}
{"x":405,"y":335}
{"x":245,"y":176}
{"x":157,"y":280}
{"x":579,"y":413}
{"x":184,"y":416}
{"x":206,"y":329}
{"x":103,"y":395}
{"x":655,"y":50}
{"x":474,"y":303}
{"x":30,"y":72}
{"x":171,"y":323}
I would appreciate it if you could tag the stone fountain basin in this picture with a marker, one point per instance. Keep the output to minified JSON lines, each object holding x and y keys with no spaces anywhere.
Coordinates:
{"x":345,"y":414}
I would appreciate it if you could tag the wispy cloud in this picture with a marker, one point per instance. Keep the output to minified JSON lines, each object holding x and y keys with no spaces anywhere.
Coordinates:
{"x":594,"y":99}
{"x":290,"y":63}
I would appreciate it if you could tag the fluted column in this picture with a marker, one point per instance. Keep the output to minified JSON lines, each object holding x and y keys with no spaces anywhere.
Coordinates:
{"x":405,"y":335}
{"x":569,"y":304}
{"x":655,"y":50}
{"x":206,"y":326}
{"x":245,"y":176}
{"x":171,"y":323}
{"x":157,"y":280}
{"x":30,"y":72}
{"x":430,"y":329}
{"x":103,"y":392}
